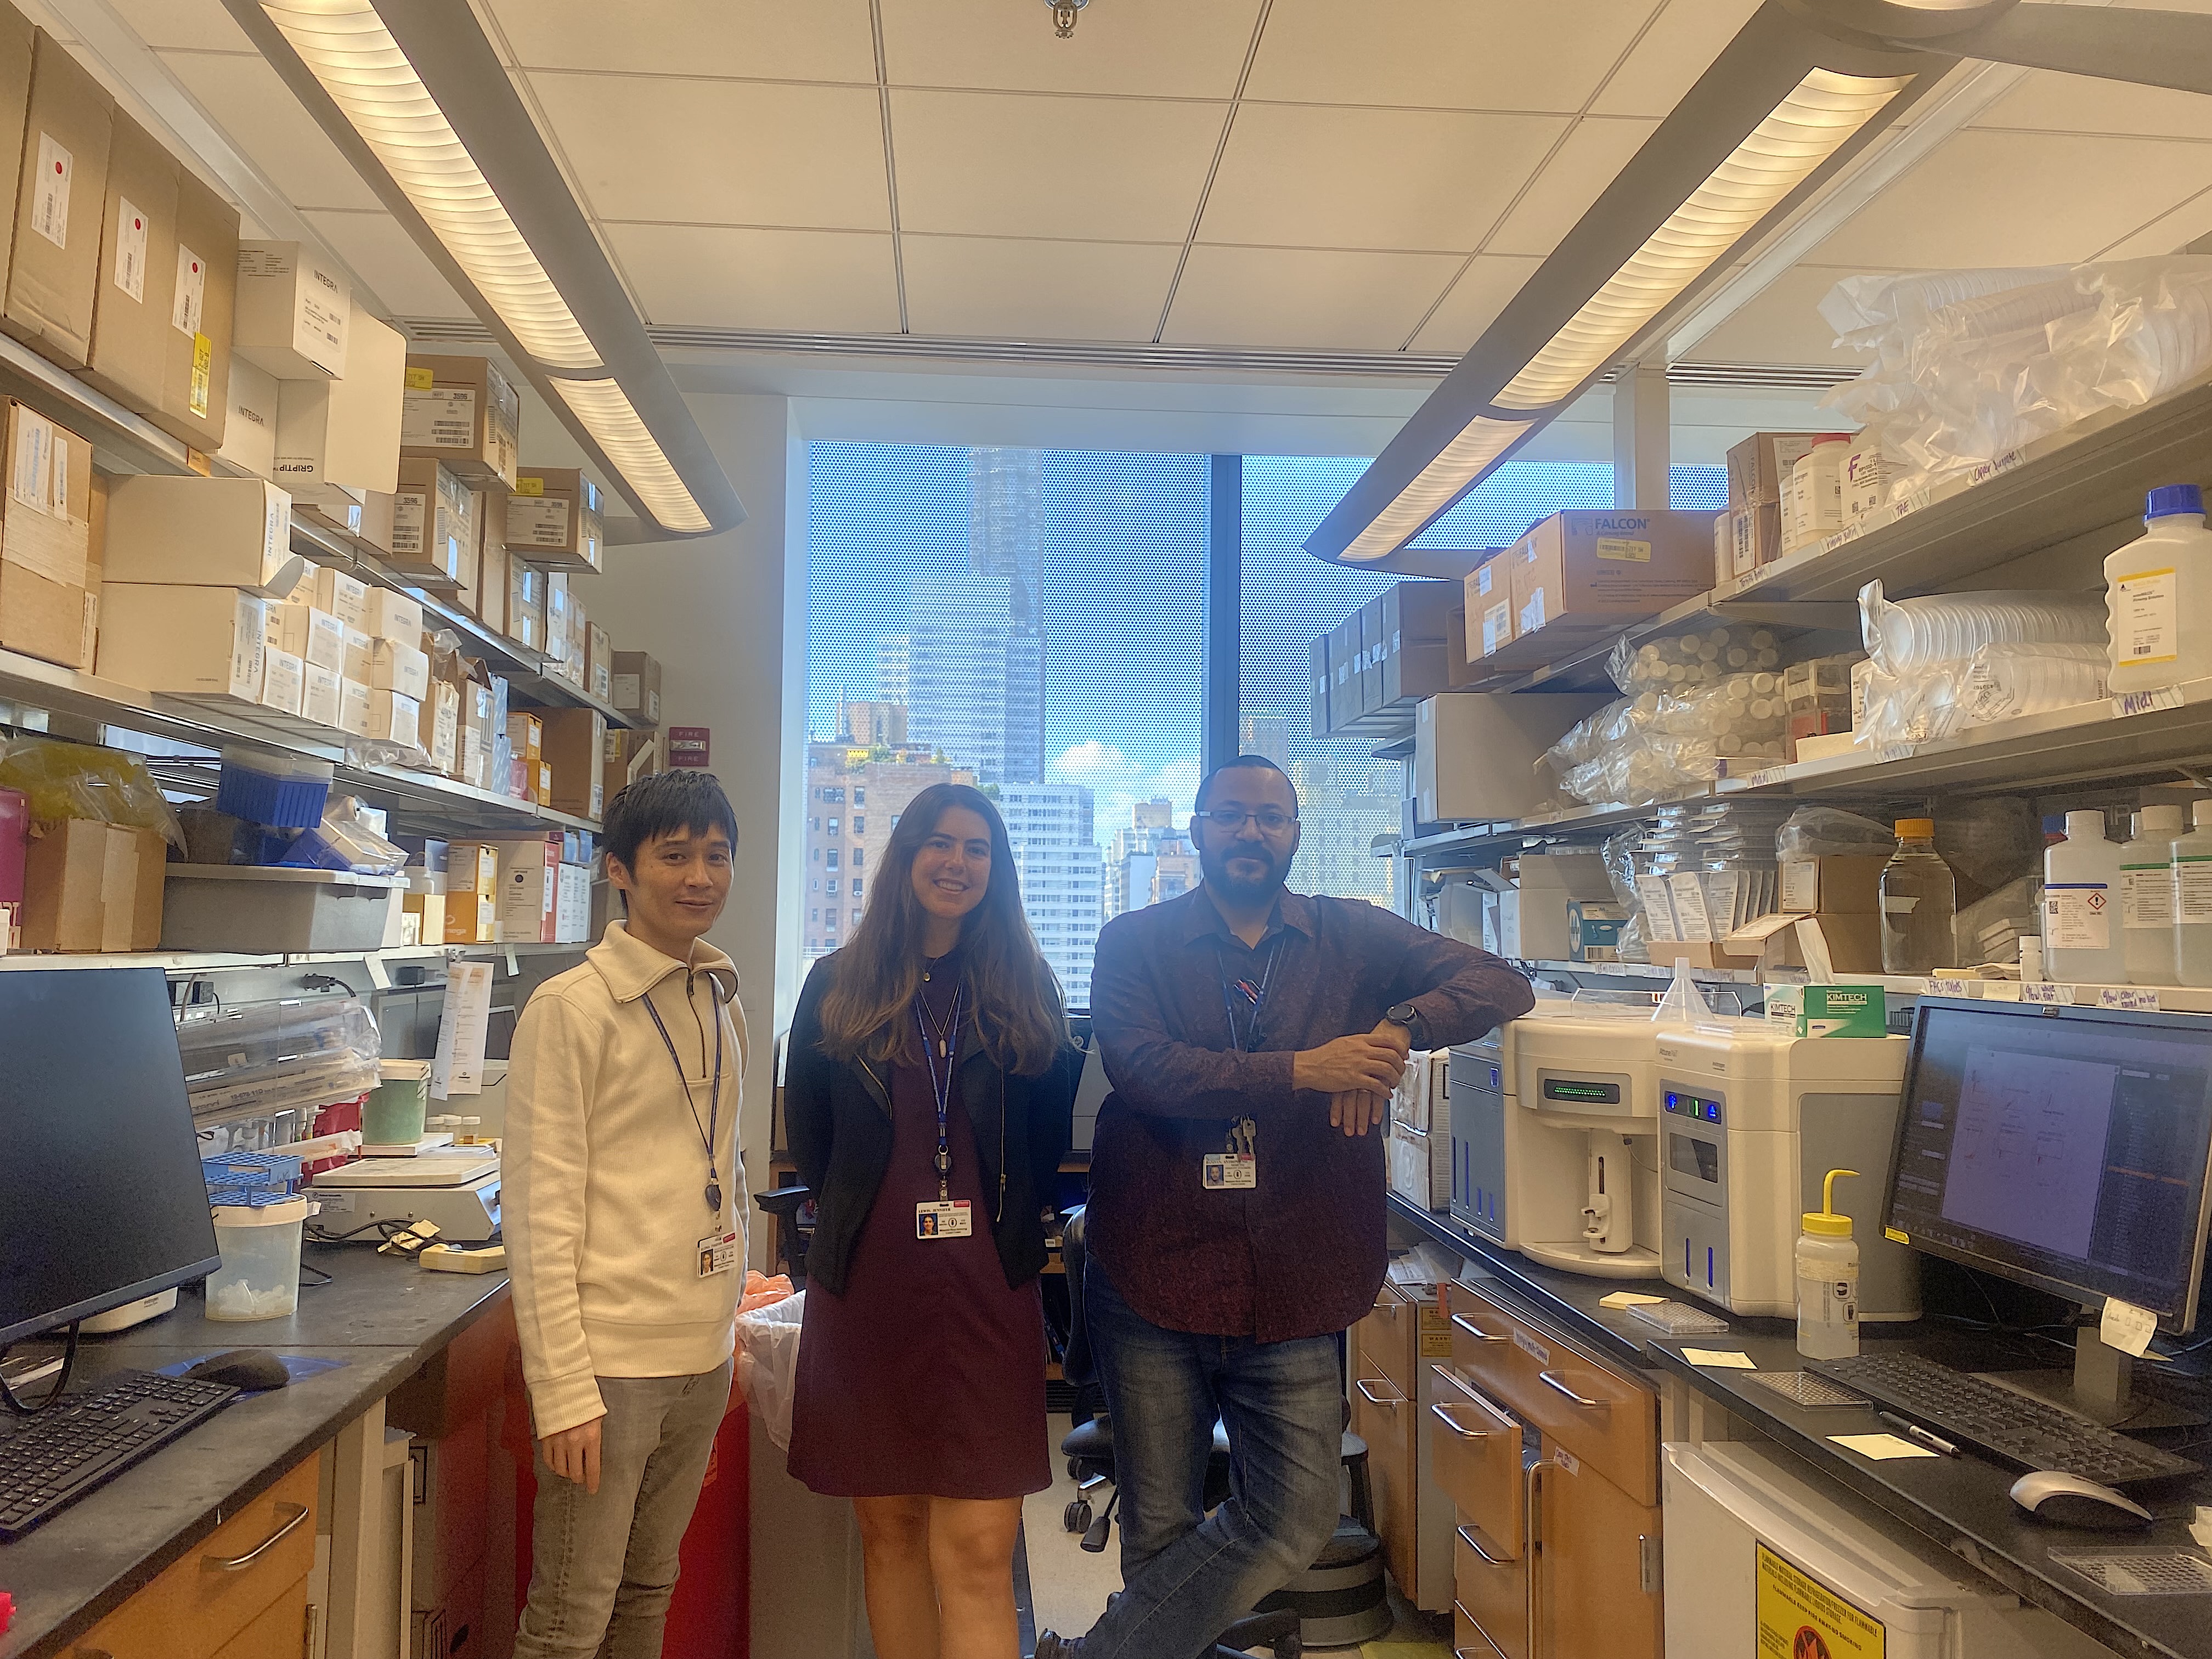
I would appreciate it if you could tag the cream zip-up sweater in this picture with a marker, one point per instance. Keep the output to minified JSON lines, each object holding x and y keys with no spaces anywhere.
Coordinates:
{"x":604,"y":1174}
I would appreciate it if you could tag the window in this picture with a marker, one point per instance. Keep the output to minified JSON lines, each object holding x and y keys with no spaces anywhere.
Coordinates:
{"x":856,"y":917}
{"x":836,"y":794}
{"x":859,"y":821}
{"x":833,"y":826}
{"x":833,"y":889}
{"x":856,"y":887}
{"x":816,"y":914}
{"x":859,"y":854}
{"x":860,"y":798}
{"x":832,"y":859}
{"x":814,"y":824}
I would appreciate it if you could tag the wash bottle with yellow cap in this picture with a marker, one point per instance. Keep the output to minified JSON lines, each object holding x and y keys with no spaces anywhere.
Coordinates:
{"x":1827,"y":1279}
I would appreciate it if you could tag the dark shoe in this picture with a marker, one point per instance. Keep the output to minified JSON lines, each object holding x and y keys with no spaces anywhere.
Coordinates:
{"x":1052,"y":1646}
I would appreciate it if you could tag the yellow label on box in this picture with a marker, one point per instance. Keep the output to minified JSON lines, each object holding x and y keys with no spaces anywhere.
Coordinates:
{"x":203,"y":373}
{"x":421,"y":380}
{"x":1800,"y":1617}
{"x":529,"y":486}
{"x":1435,"y":1332}
{"x":1612,"y":547}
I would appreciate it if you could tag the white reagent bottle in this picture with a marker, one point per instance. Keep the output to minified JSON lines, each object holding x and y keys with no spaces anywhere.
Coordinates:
{"x":2158,"y":595}
{"x":1827,"y":1279}
{"x":2081,"y":931}
{"x":2192,"y":897}
{"x":2147,"y":897}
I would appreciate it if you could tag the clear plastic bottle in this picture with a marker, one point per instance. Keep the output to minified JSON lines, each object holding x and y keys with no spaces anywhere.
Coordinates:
{"x":2147,"y":897}
{"x":1918,"y":898}
{"x":2083,"y":942}
{"x":2158,"y":595}
{"x":2192,"y":897}
{"x":1827,"y":1279}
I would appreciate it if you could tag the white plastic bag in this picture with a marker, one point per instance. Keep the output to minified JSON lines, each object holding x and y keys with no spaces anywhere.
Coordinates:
{"x":768,"y":1363}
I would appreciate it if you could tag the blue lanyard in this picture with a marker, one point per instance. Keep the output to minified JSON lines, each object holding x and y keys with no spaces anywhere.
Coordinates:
{"x":1253,"y":997}
{"x":710,"y":1131}
{"x":941,"y":1048}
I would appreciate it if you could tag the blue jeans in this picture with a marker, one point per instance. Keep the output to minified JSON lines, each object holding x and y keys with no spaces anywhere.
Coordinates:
{"x":1189,"y":1576}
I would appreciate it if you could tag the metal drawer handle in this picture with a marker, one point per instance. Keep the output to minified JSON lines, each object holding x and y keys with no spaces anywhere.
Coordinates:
{"x":1467,"y":1537}
{"x":239,"y":1563}
{"x":1360,"y":1383}
{"x":1535,"y":1524}
{"x":1461,"y":1322}
{"x":1551,"y":1379}
{"x":1444,"y":1411}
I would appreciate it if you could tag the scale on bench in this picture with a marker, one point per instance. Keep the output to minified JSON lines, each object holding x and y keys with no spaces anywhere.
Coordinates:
{"x":455,"y":1187}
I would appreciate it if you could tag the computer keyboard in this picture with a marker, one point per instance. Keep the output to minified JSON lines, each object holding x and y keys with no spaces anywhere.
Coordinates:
{"x":2009,"y":1425}
{"x":49,"y":1460}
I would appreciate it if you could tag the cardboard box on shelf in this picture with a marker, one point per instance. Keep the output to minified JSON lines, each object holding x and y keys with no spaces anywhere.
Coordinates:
{"x":495,"y":576}
{"x":283,"y":681}
{"x":637,"y":686}
{"x":49,"y":592}
{"x":1811,"y":723}
{"x":1579,"y":574}
{"x":294,"y":309}
{"x":323,"y":701}
{"x":367,"y":522}
{"x":184,"y":641}
{"x":137,"y":286}
{"x":1754,"y":537}
{"x":93,"y":887}
{"x":478,"y":729}
{"x":525,"y":604}
{"x":598,"y":664}
{"x":472,"y":866}
{"x":342,"y":434}
{"x":554,"y":517}
{"x":1475,"y":752}
{"x":1829,"y":1011}
{"x":196,"y":398}
{"x":249,"y":438}
{"x":316,"y":637}
{"x":487,"y":511}
{"x":1823,"y":683}
{"x":344,"y":596}
{"x":573,"y":667}
{"x":394,"y":717}
{"x":429,"y":911}
{"x":541,"y":788}
{"x":429,"y":522}
{"x":1848,"y":883}
{"x":1319,"y":711}
{"x":1824,"y":748}
{"x":529,"y":890}
{"x":386,"y":615}
{"x":442,"y":712}
{"x":1370,"y":657}
{"x":1759,"y":467}
{"x":464,"y":412}
{"x":575,"y":744}
{"x":526,"y":737}
{"x":572,"y":913}
{"x":396,"y":667}
{"x":1536,"y":929}
{"x":17,"y":38}
{"x":358,"y":647}
{"x":215,"y":532}
{"x":352,"y":705}
{"x":54,"y":271}
{"x":472,"y":918}
{"x":626,"y":758}
{"x":558,"y":616}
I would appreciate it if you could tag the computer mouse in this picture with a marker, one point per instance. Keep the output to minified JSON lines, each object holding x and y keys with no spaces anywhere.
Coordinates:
{"x":2070,"y":1500}
{"x":250,"y":1369}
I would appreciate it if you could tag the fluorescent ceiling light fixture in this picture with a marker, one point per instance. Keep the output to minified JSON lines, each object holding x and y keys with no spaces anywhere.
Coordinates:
{"x":606,"y":413}
{"x":1817,"y":118}
{"x":346,"y":46}
{"x":1460,"y":463}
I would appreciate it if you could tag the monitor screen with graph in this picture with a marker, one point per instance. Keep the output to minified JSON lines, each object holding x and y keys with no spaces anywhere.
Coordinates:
{"x":2065,"y":1148}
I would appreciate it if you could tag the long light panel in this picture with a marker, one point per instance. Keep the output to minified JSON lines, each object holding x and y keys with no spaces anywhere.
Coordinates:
{"x":608,"y":417}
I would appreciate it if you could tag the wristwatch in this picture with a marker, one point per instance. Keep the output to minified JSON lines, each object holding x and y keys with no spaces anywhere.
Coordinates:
{"x":1408,"y":1016}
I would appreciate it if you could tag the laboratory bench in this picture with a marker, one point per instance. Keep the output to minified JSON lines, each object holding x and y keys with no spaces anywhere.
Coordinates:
{"x":393,"y":1329}
{"x":1962,"y":1505}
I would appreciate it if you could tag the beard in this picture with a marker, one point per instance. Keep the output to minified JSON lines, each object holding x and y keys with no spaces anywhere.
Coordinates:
{"x":1230,"y":874}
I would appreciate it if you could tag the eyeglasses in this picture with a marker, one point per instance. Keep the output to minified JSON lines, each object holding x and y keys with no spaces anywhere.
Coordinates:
{"x":1272,"y":820}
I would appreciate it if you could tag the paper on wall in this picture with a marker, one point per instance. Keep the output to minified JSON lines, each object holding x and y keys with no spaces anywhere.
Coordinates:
{"x":462,"y":1031}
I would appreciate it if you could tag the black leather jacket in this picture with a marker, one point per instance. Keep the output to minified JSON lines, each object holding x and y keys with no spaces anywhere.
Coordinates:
{"x":838,"y":1115}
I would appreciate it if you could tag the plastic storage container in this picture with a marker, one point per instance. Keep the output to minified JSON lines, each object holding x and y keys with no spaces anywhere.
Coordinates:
{"x":215,"y":906}
{"x":2158,"y":595}
{"x":2082,"y":941}
{"x":282,"y":790}
{"x":398,"y":1104}
{"x":1919,"y":897}
{"x":259,"y":1278}
{"x":2147,"y":897}
{"x":2192,"y":897}
{"x":1827,"y":1279}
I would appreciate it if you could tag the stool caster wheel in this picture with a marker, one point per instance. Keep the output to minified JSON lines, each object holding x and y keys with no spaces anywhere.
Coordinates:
{"x":1077,"y":1515}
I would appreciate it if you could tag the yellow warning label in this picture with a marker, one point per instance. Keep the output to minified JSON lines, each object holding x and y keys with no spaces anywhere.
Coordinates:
{"x":1895,"y":1236}
{"x":420,"y":379}
{"x":1612,"y":547}
{"x":1801,"y":1618}
{"x":203,"y":374}
{"x":529,"y":486}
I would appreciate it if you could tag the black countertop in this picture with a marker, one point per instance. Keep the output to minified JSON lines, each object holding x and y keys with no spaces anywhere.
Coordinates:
{"x":1960,"y":1503}
{"x":381,"y":1318}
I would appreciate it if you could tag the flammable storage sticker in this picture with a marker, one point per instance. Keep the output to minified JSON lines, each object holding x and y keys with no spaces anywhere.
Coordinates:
{"x":1800,"y":1617}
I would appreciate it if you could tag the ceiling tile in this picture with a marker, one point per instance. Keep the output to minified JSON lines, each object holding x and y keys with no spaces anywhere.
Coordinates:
{"x":1486,"y":288}
{"x":1305,"y":297}
{"x":248,"y":100}
{"x":198,"y":25}
{"x":1298,"y":176}
{"x":1675,"y":51}
{"x":759,"y":39}
{"x":2167,"y":234}
{"x":997,"y":164}
{"x":721,"y":152}
{"x":2016,"y":198}
{"x":2047,"y":101}
{"x":1471,"y":54}
{"x":1782,"y":325}
{"x":1147,"y":48}
{"x":386,"y":257}
{"x":1005,"y":288}
{"x":1595,"y":150}
{"x":713,"y":276}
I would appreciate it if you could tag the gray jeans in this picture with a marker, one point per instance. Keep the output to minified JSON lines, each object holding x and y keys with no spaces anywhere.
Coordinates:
{"x":603,"y":1565}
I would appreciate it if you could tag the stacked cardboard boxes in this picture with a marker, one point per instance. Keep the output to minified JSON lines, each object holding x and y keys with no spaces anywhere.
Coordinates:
{"x":1580,"y":575}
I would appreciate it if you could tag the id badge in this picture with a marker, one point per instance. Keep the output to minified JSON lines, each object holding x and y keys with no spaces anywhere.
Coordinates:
{"x":943,"y":1218}
{"x":1229,"y":1172}
{"x":717,"y":1253}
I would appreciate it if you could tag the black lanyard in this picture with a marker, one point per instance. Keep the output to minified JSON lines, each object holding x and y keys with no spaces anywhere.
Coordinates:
{"x":710,"y":1131}
{"x":944,"y":1050}
{"x":1253,"y":997}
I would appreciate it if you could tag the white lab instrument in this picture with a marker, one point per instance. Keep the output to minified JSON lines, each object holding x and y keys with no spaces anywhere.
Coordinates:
{"x":1751,"y":1120}
{"x":455,"y":1187}
{"x":1751,"y":1548}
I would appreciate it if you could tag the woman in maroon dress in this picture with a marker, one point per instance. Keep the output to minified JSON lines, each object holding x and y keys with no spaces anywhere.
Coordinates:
{"x":928,"y":1095}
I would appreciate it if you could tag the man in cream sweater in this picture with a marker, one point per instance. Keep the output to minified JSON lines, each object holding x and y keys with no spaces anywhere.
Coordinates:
{"x":624,"y":1216}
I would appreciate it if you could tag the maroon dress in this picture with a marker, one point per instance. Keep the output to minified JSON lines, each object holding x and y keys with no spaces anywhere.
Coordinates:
{"x":927,"y":1376}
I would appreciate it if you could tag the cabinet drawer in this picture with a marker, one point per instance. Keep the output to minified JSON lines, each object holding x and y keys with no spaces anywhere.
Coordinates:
{"x":1598,"y":1569}
{"x":1382,"y":1416}
{"x":1491,"y":1591}
{"x":280,"y":1632}
{"x":1467,"y":1640}
{"x":1386,"y":1339}
{"x":223,"y":1585}
{"x":1600,"y":1413}
{"x":1476,"y":1457}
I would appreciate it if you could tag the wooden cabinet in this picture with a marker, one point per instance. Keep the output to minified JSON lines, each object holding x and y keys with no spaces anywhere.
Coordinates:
{"x":241,"y":1593}
{"x":1599,"y":1562}
{"x":1382,"y":1416}
{"x":1392,"y":1351}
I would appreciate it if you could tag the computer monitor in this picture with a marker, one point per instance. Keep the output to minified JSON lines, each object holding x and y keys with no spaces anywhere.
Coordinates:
{"x":2060,"y":1147}
{"x":101,"y":1197}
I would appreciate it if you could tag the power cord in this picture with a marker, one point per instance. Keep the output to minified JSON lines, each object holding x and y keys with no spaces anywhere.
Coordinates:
{"x":68,"y":1364}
